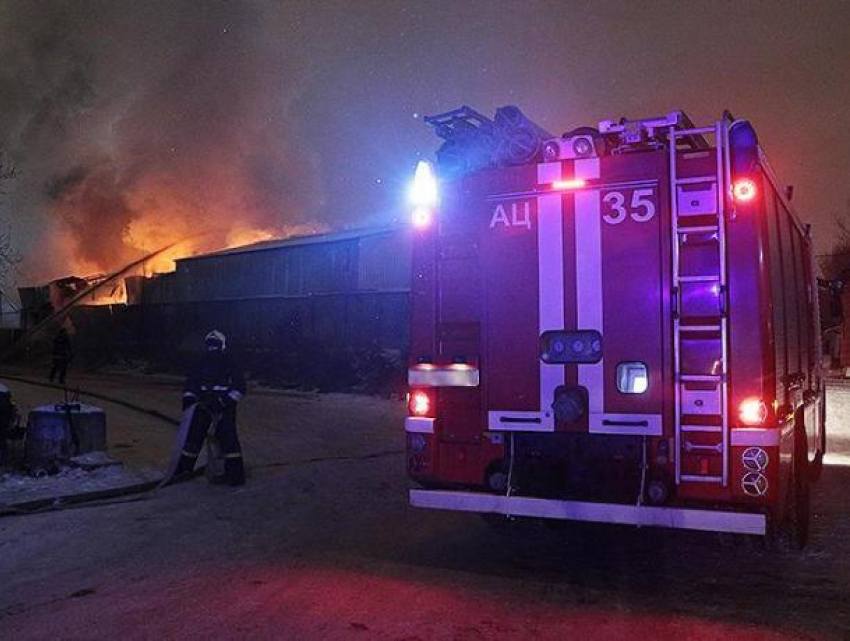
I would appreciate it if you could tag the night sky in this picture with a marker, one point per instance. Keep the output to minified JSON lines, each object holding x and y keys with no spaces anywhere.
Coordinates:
{"x":133,"y":121}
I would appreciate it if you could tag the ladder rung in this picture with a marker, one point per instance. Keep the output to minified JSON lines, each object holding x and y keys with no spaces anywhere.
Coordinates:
{"x":685,"y":218}
{"x":692,"y":180}
{"x":699,"y":328}
{"x":691,"y":448}
{"x":697,"y":230}
{"x":702,"y":428}
{"x":677,"y":133}
{"x":698,"y":279}
{"x":700,"y":378}
{"x":702,"y":479}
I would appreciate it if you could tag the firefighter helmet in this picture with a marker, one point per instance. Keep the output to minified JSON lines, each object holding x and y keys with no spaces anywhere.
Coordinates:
{"x":216,"y":341}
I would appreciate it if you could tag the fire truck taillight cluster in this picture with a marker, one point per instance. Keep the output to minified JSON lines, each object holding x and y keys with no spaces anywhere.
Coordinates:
{"x":420,"y":404}
{"x":744,"y":190}
{"x":423,"y":195}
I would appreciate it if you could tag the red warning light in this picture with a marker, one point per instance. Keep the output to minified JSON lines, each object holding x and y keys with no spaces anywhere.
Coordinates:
{"x":419,"y":403}
{"x":422,"y":217}
{"x":752,"y":411}
{"x":744,"y":190}
{"x":572,"y":183}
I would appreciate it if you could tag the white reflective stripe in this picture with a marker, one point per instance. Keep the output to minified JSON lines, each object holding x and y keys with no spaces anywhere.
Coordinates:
{"x":550,"y":297}
{"x":550,"y":247}
{"x":233,"y":455}
{"x":443,"y":377}
{"x":189,"y":454}
{"x":587,"y":168}
{"x":214,"y":388}
{"x":189,"y":395}
{"x":669,"y":517}
{"x":548,"y":172}
{"x":755,"y":436}
{"x":550,"y":244}
{"x":419,"y":425}
{"x":588,"y":256}
{"x":236,"y":395}
{"x":625,"y":424}
{"x":507,"y":421}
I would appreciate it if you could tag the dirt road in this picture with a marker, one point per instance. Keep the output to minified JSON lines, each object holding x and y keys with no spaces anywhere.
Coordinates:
{"x":321,"y":544}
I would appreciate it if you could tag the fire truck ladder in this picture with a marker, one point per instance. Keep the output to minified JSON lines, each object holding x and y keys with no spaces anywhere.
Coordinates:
{"x":700,"y":333}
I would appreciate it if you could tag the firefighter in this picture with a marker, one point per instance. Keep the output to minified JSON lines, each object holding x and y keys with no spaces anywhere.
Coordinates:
{"x":62,"y":356}
{"x":212,"y":391}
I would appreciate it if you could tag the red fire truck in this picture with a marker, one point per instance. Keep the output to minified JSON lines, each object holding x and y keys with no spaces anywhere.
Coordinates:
{"x":617,"y":325}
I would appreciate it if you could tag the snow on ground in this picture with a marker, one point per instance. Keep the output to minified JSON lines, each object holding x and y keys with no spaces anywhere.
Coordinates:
{"x":17,"y":488}
{"x":321,"y":543}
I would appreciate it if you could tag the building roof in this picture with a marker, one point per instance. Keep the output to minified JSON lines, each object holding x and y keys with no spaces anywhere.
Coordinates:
{"x":295,"y":241}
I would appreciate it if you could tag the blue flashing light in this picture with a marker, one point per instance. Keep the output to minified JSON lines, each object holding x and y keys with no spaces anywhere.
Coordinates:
{"x":423,"y":191}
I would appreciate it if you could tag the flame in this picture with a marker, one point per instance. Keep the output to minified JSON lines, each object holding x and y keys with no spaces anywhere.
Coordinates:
{"x":153,"y":214}
{"x":141,"y":235}
{"x":112,"y":293}
{"x":239,"y":237}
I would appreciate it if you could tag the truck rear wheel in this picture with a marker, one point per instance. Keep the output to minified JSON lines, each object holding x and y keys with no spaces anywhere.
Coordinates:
{"x":816,"y":465}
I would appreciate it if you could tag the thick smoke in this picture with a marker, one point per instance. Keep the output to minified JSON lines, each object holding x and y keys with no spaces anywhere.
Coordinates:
{"x":135,"y":124}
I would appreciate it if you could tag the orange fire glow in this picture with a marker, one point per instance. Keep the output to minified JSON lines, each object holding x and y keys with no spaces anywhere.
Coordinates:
{"x":145,"y":235}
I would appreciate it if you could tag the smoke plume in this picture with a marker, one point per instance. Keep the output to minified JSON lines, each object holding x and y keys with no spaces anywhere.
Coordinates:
{"x":135,"y":124}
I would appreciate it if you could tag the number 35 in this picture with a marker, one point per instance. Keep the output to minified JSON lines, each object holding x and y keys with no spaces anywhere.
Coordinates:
{"x":642,"y":207}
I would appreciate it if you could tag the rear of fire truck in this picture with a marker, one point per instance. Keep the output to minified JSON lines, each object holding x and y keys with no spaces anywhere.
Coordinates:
{"x":589,"y":337}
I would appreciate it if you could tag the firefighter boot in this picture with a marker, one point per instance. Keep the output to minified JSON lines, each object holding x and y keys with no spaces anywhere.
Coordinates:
{"x":234,"y":470}
{"x":185,"y":466}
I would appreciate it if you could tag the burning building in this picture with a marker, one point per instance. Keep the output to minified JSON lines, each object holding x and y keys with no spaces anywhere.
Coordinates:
{"x":332,"y":294}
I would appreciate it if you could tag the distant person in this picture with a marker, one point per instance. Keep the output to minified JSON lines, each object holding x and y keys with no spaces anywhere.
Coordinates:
{"x":213,"y":389}
{"x":62,"y":356}
{"x":7,"y":414}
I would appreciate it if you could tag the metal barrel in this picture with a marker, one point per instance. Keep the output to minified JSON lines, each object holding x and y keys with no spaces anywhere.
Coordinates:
{"x":50,"y":434}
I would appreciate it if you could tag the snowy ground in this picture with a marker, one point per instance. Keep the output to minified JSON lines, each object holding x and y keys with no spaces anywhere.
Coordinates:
{"x":322,"y":544}
{"x":18,"y":488}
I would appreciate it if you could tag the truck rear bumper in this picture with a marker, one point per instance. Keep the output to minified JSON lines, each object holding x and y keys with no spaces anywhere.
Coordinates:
{"x":668,"y":517}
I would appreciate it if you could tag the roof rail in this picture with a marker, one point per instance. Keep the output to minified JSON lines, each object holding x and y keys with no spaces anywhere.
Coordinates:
{"x":642,"y":130}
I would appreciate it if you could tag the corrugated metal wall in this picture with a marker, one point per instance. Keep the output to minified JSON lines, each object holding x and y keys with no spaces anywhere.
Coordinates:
{"x":334,"y":292}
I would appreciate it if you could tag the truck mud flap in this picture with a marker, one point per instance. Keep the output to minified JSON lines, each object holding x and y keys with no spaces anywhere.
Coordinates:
{"x":645,"y":516}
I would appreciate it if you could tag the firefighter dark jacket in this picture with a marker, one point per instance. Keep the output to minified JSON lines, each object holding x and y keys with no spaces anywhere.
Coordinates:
{"x":62,"y":350}
{"x":215,"y":376}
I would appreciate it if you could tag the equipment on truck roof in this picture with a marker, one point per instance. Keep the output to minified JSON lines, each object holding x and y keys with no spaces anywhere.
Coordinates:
{"x":473,"y":141}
